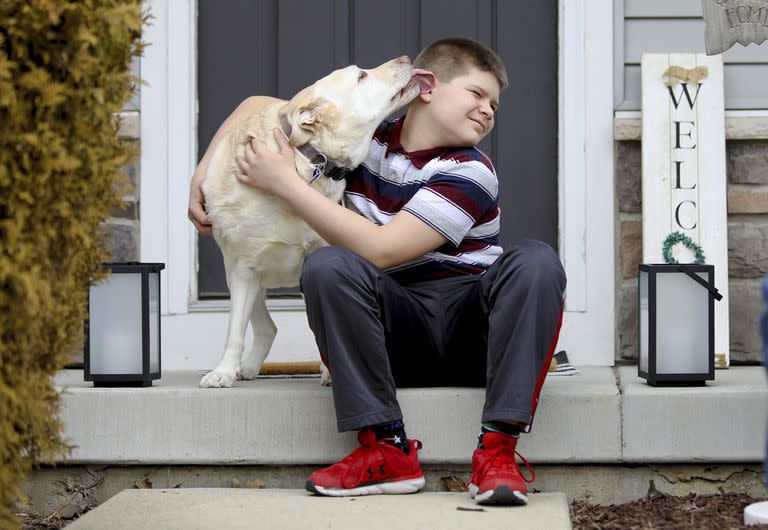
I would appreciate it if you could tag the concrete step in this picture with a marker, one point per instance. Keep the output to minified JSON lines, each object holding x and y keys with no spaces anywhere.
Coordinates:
{"x":177,"y":509}
{"x":292,"y":421}
{"x":724,"y":421}
{"x":604,"y":415}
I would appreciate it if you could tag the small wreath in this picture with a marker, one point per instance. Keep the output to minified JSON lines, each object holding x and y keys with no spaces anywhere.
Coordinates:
{"x":673,"y":239}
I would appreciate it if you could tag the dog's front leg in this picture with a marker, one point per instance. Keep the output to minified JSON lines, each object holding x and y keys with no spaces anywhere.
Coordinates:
{"x":264,"y":331}
{"x":244,"y":290}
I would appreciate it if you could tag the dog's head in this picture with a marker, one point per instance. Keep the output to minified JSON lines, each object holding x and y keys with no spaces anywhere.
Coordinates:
{"x":339,"y":113}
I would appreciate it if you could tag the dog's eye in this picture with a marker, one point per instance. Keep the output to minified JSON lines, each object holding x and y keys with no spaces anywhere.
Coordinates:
{"x":362,"y":75}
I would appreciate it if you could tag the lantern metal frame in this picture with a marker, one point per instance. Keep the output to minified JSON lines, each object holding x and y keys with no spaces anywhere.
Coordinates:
{"x":146,"y":376}
{"x":670,"y":379}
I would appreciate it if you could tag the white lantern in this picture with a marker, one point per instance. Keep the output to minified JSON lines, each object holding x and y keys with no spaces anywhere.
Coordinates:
{"x":677,"y":328}
{"x":122,"y":338}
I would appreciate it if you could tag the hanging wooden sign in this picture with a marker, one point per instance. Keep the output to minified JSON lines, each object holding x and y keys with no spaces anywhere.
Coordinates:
{"x":683,"y":164}
{"x":732,"y":21}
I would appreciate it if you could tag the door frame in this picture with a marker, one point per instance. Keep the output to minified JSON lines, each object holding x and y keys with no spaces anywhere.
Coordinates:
{"x":194,"y":330}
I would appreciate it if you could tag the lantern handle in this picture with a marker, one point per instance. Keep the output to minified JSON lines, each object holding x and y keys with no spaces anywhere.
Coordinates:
{"x":711,"y":288}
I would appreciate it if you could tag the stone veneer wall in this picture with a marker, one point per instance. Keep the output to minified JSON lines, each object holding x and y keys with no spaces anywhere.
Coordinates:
{"x":123,"y":226}
{"x":747,"y":172}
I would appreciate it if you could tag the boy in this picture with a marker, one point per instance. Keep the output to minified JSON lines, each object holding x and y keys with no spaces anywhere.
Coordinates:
{"x":414,"y":289}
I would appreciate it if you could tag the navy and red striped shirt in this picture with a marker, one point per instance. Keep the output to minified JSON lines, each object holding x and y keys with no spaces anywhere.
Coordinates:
{"x":453,"y":190}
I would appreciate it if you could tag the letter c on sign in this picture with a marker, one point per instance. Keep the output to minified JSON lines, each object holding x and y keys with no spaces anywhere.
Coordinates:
{"x":677,"y":215}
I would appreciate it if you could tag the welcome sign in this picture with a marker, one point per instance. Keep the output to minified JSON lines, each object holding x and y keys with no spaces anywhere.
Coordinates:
{"x":732,"y":21}
{"x":683,"y":163}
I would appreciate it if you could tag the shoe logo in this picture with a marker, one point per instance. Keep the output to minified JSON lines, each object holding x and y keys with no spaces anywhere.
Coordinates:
{"x":371,"y":472}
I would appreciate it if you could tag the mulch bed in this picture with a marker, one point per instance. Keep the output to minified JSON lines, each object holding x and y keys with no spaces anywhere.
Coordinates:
{"x":661,"y":511}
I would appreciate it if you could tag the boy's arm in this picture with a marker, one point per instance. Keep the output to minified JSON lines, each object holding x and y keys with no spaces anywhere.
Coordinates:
{"x":196,"y":209}
{"x":404,"y":238}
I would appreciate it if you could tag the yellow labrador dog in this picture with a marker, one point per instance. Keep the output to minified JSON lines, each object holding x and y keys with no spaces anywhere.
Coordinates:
{"x":330,"y":125}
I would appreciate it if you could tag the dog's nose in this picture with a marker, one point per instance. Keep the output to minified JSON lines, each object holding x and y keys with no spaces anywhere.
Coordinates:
{"x":404,"y":59}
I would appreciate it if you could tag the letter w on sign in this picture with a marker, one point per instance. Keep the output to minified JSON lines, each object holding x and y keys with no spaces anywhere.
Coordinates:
{"x":732,"y":21}
{"x":684,"y":180}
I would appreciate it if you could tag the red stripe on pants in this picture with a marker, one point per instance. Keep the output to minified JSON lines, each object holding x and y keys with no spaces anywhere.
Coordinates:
{"x":543,"y":374}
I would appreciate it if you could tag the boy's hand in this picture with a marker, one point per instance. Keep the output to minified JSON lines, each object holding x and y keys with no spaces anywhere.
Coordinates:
{"x":196,"y":210}
{"x":266,"y":170}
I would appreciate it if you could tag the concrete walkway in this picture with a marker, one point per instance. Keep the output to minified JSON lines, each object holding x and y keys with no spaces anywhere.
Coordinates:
{"x":176,"y":509}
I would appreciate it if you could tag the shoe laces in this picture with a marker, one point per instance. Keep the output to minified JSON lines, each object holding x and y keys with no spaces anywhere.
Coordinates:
{"x":503,"y":458}
{"x":367,"y":440}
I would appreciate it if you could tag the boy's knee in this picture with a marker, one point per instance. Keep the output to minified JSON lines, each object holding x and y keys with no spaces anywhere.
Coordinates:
{"x":534,"y":251}
{"x":537,"y":258}
{"x":323,"y":264}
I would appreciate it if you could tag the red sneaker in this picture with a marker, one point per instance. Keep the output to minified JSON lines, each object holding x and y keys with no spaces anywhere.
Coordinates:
{"x":496,"y":477}
{"x":375,"y":468}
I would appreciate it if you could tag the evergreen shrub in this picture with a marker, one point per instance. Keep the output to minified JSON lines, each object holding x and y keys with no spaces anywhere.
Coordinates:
{"x":64,"y":73}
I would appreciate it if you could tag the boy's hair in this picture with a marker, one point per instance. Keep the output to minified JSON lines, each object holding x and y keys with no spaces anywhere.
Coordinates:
{"x":450,"y":58}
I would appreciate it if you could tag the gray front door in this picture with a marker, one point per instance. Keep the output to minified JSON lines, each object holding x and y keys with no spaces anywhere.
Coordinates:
{"x":276,"y":48}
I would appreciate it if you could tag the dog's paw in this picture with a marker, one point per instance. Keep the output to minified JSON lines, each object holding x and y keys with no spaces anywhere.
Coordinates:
{"x":248,"y":373}
{"x":325,"y":375}
{"x":218,"y":379}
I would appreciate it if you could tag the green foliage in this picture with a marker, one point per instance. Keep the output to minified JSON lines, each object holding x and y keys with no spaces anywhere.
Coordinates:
{"x":64,"y":72}
{"x":678,"y":237}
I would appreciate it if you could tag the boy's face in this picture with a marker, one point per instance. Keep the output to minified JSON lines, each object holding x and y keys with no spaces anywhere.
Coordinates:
{"x":462,"y":109}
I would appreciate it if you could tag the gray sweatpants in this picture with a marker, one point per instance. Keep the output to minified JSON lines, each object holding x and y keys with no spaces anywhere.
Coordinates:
{"x":497,"y":330}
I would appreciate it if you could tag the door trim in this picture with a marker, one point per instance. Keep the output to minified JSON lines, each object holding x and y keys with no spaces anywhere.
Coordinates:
{"x":168,"y":111}
{"x":168,"y":114}
{"x":586,"y":180}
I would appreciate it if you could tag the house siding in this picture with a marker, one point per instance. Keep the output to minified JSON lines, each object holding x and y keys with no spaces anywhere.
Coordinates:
{"x":661,"y":26}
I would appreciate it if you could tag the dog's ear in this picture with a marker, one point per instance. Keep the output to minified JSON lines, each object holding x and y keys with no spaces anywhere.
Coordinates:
{"x":302,"y":120}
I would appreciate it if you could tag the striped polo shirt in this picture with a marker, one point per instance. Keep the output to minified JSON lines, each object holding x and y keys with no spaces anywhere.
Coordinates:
{"x":453,"y":190}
